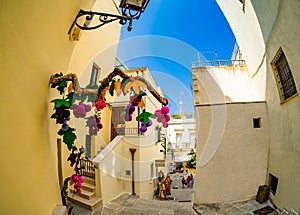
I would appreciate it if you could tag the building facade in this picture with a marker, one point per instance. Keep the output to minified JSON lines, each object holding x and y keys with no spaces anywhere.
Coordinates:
{"x":232,"y":148}
{"x":266,"y":33}
{"x":34,"y":45}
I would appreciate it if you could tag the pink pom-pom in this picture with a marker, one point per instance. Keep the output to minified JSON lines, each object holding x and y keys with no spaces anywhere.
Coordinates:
{"x":158,"y":113}
{"x":159,"y":119}
{"x":165,"y":110}
{"x":75,"y":177}
{"x":165,"y":125}
{"x":79,"y":184}
{"x":81,"y":179}
{"x":79,"y":191}
{"x":163,"y":120}
{"x":167,"y":118}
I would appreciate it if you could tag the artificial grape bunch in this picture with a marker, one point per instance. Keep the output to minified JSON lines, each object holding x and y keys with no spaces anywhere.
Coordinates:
{"x":130,"y":108}
{"x":162,"y":116}
{"x":135,"y":101}
{"x":77,"y":181}
{"x":72,"y":158}
{"x":94,"y":124}
{"x":144,"y":126}
{"x":63,"y":115}
{"x":80,"y":109}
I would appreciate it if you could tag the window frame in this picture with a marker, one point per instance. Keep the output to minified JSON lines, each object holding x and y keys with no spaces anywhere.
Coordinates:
{"x":94,"y":77}
{"x":277,"y":74}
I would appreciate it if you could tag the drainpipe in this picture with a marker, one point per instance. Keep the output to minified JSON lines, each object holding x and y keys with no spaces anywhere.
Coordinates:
{"x":132,"y":150}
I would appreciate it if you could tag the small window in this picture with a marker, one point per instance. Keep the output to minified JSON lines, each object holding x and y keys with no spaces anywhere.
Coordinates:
{"x":94,"y":76}
{"x":256,"y":122}
{"x":283,"y":75}
{"x":128,"y":172}
{"x":273,"y":182}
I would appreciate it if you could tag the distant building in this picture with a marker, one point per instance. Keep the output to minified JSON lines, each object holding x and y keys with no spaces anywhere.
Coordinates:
{"x":181,"y":139}
{"x":112,"y":156}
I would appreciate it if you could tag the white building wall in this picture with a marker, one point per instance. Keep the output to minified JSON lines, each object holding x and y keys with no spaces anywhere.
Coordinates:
{"x":284,"y":117}
{"x":245,"y":27}
{"x":232,"y":167}
{"x":260,"y":31}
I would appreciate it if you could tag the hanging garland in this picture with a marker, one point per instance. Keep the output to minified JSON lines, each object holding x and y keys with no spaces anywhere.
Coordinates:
{"x":74,"y":100}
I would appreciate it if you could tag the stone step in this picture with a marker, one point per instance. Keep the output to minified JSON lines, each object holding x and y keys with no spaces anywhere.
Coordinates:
{"x":89,"y":180}
{"x":90,"y":204}
{"x":88,"y":186}
{"x":85,"y":194}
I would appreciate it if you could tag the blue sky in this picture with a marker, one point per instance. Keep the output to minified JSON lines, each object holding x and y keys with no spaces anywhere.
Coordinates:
{"x":169,"y":36}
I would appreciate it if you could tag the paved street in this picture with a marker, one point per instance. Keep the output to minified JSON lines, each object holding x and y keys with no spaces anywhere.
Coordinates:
{"x":182,"y":204}
{"x":127,"y":204}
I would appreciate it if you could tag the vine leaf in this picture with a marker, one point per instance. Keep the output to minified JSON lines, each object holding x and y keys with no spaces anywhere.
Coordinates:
{"x":91,"y":97}
{"x":79,"y":97}
{"x":54,"y":116}
{"x":70,"y":98}
{"x":144,"y":116}
{"x":68,"y":137}
{"x":60,"y":102}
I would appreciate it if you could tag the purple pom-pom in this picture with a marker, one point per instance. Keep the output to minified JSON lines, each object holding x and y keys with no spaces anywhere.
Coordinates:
{"x":143,"y":129}
{"x":131,"y":108}
{"x":128,"y":117}
{"x":149,"y":123}
{"x":64,"y":127}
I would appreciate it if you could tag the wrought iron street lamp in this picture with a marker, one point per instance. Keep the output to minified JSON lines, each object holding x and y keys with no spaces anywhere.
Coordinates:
{"x":130,"y":10}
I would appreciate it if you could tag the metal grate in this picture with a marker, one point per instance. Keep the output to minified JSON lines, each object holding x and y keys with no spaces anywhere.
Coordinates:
{"x":283,"y":72}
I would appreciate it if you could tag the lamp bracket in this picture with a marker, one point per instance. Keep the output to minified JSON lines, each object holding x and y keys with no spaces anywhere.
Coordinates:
{"x":103,"y":18}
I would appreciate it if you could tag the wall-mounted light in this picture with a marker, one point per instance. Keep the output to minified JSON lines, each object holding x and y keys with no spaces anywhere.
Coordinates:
{"x":131,"y":9}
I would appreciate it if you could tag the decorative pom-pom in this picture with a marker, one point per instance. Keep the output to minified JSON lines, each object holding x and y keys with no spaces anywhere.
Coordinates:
{"x":165,"y":110}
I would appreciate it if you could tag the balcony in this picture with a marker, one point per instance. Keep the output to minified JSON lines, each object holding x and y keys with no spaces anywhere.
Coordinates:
{"x":128,"y":132}
{"x":218,"y":63}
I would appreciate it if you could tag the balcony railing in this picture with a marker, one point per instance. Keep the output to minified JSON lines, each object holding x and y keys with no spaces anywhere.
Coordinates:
{"x":218,"y":63}
{"x":128,"y":131}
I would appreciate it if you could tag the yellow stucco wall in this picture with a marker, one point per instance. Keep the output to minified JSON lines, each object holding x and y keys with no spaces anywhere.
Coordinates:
{"x":114,"y":181}
{"x":284,"y":119}
{"x":34,"y":44}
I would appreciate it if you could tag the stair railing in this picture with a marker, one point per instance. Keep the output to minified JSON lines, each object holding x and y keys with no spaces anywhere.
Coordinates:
{"x":87,"y":168}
